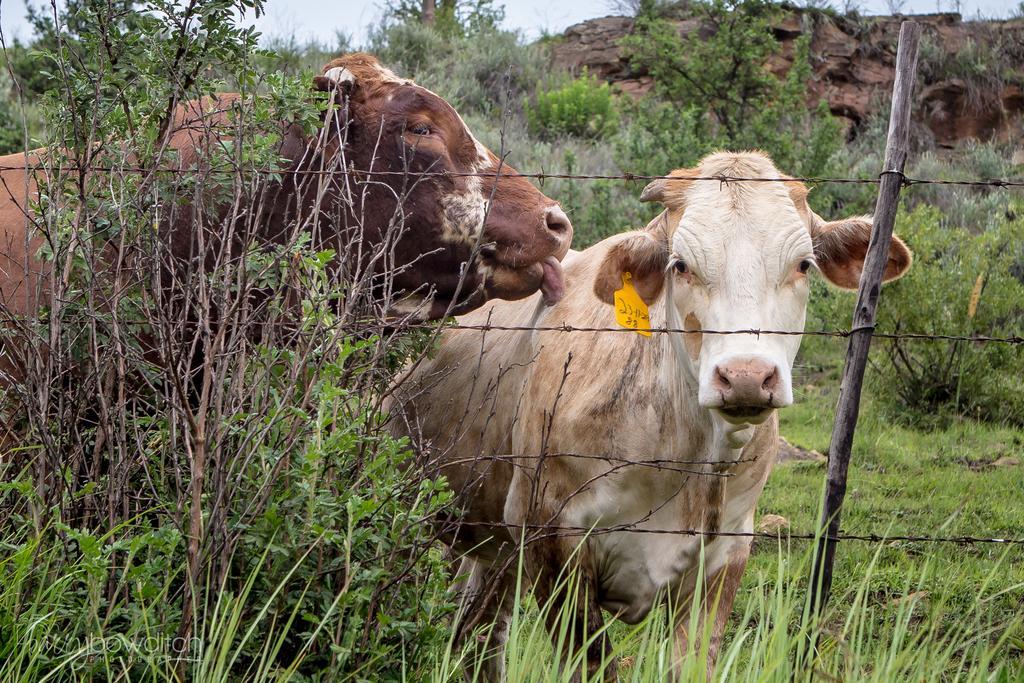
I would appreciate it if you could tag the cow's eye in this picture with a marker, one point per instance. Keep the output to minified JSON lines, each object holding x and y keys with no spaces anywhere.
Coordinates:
{"x":680,"y":266}
{"x":804,"y":266}
{"x":420,"y":129}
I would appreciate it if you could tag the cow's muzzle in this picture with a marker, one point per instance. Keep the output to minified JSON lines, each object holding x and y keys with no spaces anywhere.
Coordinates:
{"x":530,"y":260}
{"x":748,"y":389}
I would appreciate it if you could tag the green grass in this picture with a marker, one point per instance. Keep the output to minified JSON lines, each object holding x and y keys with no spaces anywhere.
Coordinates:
{"x":908,"y":482}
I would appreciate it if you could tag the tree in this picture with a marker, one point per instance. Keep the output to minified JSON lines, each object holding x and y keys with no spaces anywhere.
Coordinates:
{"x":33,"y":64}
{"x":724,"y":70}
{"x":449,"y":17}
{"x":427,"y":12}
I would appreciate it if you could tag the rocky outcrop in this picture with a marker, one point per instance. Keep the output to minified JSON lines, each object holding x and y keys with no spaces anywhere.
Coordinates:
{"x":853,"y":61}
{"x":951,"y":112}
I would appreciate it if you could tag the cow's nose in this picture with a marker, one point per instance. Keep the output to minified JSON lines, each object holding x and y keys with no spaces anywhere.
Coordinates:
{"x":560,"y":228}
{"x":749,"y":382}
{"x":557,"y":221}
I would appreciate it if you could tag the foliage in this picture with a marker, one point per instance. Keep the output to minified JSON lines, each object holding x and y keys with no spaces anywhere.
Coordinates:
{"x":335,"y":570}
{"x":583,"y":107}
{"x":36,"y":65}
{"x":12,"y":130}
{"x":960,"y":284}
{"x":601,"y":208}
{"x":287,"y":54}
{"x":666,"y":9}
{"x":720,"y":72}
{"x":986,"y":65}
{"x":724,"y":71}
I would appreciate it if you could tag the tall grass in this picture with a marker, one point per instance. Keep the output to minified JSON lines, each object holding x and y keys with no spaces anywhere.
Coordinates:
{"x":863,"y":636}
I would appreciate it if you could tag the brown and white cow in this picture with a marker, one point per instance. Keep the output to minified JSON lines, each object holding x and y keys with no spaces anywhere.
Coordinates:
{"x":462,"y":239}
{"x":674,"y":431}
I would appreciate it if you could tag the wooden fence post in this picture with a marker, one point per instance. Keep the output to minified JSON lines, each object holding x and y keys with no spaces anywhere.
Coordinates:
{"x":847,"y":408}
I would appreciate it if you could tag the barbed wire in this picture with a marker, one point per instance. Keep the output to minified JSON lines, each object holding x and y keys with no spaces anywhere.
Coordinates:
{"x":907,"y":181}
{"x":617,"y":462}
{"x":797,"y":536}
{"x":394,"y":325}
{"x":550,"y":530}
{"x":403,"y":325}
{"x":1012,"y":340}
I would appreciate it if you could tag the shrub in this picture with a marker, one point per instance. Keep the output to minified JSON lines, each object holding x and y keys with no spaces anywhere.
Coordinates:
{"x":583,"y":107}
{"x":599,"y":208}
{"x":204,"y":469}
{"x":408,"y":46}
{"x":960,"y":284}
{"x":287,"y":54}
{"x":659,"y":137}
{"x":985,"y":65}
{"x":478,"y":73}
{"x":11,"y":135}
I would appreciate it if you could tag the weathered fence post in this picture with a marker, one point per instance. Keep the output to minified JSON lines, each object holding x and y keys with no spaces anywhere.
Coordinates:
{"x":847,"y":408}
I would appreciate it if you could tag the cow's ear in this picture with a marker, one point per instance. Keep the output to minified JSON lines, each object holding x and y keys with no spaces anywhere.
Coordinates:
{"x":841,"y":246}
{"x":644,"y":257}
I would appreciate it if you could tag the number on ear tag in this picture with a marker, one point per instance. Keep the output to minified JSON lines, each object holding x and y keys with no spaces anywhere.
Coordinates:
{"x":630,"y":310}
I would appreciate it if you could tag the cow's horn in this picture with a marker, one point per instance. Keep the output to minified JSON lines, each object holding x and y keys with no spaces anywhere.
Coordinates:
{"x":339,"y":74}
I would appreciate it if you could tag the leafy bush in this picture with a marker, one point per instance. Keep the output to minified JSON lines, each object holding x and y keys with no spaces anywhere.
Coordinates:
{"x":599,"y":208}
{"x":408,"y":46}
{"x":584,"y":107}
{"x":960,"y":284}
{"x":11,"y":134}
{"x":334,"y":572}
{"x":985,"y":65}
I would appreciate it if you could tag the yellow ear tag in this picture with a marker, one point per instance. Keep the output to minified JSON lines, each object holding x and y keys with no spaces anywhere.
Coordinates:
{"x":630,"y":309}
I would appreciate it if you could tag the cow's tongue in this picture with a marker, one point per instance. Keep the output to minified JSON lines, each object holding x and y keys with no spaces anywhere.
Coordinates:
{"x":552,"y":287}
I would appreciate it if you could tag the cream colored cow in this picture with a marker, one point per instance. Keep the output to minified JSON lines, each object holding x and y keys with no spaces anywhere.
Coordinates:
{"x":667,"y":432}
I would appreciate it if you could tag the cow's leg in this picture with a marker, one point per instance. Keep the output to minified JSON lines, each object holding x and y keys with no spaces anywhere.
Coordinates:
{"x":718,"y":596}
{"x":571,"y":593}
{"x":485,"y":607}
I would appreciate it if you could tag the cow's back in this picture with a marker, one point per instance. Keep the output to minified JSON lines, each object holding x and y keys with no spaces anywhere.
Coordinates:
{"x":467,"y":397}
{"x":22,"y":287}
{"x":20,"y":267}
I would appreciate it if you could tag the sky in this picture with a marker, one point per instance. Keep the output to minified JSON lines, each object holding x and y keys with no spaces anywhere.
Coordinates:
{"x":320,"y":20}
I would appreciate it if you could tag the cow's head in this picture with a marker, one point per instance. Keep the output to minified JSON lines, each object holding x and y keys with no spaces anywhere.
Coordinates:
{"x":465,"y":238}
{"x":737,"y":256}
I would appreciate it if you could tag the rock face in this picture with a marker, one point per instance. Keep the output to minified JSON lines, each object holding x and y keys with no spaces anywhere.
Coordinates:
{"x":853,"y":61}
